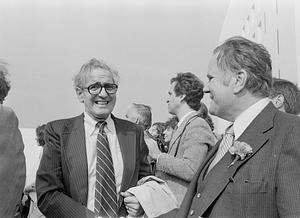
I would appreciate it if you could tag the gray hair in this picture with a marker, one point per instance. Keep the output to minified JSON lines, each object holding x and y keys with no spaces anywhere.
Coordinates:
{"x":80,"y":78}
{"x":144,"y":115}
{"x":238,"y":53}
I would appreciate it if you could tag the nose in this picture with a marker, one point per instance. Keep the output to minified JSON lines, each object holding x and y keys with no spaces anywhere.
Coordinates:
{"x":103,"y":93}
{"x":167,"y":99}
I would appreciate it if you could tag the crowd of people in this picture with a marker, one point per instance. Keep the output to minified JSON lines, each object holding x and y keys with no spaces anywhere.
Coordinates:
{"x":98,"y":165}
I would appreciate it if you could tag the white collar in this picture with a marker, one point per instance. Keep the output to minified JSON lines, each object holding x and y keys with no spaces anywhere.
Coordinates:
{"x":247,"y":116}
{"x":91,"y":124}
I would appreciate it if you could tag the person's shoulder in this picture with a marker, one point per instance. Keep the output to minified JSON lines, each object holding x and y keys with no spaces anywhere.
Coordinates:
{"x":199,"y":122}
{"x":6,"y":110}
{"x":290,"y":119}
{"x":7,"y":113}
{"x":65,"y":122}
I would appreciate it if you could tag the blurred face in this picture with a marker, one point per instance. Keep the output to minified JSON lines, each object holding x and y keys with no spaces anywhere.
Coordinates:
{"x":173,"y":101}
{"x":153,"y":130}
{"x":131,"y":115}
{"x":168,"y":133}
{"x":220,"y":89}
{"x":278,"y":102}
{"x":98,"y":106}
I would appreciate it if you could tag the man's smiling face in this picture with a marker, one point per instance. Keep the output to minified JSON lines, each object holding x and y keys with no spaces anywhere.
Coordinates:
{"x":101,"y":105}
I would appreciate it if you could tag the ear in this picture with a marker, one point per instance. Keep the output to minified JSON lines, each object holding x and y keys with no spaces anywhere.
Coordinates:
{"x":182,"y":97}
{"x":278,"y":101}
{"x":80,"y":94}
{"x":137,"y":121}
{"x":240,"y":79}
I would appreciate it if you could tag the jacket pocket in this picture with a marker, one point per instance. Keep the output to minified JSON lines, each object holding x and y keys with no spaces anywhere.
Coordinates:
{"x":247,"y":187}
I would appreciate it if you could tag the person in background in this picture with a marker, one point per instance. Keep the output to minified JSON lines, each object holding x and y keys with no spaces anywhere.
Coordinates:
{"x":285,"y":96}
{"x":192,"y":139}
{"x":170,"y":126}
{"x":156,"y":131}
{"x":141,"y":115}
{"x":12,"y":158}
{"x":254,"y":170}
{"x":203,"y":112}
{"x":30,"y":190}
{"x":89,"y":161}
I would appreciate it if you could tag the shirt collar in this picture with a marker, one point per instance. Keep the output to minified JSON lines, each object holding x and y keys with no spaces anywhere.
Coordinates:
{"x":90,"y":124}
{"x":247,"y":116}
{"x":184,"y":117}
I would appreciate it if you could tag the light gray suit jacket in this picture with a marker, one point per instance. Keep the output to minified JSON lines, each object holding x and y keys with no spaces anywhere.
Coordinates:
{"x":188,"y":148}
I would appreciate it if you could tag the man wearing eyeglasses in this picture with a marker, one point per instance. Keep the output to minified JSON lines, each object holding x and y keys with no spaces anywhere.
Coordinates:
{"x":90,"y":159}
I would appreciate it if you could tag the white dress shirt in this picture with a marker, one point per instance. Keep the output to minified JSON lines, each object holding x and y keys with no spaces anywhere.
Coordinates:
{"x":91,"y":132}
{"x":246,"y":117}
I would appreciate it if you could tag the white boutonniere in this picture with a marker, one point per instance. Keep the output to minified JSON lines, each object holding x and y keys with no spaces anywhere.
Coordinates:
{"x":241,"y":150}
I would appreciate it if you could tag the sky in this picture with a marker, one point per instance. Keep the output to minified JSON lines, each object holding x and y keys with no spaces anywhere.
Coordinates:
{"x":147,"y":41}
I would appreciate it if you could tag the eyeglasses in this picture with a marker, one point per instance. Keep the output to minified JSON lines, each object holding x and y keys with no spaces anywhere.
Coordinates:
{"x":96,"y":88}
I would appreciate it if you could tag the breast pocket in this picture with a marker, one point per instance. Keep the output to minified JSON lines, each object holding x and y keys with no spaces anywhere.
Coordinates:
{"x":247,"y":196}
{"x":247,"y":187}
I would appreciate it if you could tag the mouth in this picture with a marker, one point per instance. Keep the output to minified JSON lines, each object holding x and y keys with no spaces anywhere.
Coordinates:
{"x":101,"y":102}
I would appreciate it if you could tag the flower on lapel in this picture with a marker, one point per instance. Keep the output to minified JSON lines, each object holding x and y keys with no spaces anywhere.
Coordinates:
{"x":241,"y":150}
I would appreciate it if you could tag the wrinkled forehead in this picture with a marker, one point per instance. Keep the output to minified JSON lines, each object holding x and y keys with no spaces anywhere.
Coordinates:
{"x":99,"y":75}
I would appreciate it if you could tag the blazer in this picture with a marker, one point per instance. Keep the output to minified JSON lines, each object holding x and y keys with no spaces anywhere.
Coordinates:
{"x":62,"y":177}
{"x":12,"y":163}
{"x":188,"y":148}
{"x":264,"y":184}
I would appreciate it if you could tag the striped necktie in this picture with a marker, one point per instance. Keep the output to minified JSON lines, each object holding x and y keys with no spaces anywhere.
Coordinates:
{"x":105,"y":194}
{"x":225,"y":144}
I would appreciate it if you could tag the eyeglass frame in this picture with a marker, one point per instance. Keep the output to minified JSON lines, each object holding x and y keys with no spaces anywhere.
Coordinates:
{"x":101,"y":87}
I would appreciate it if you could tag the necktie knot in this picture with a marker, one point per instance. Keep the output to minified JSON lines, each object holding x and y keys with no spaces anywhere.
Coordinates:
{"x":101,"y":124}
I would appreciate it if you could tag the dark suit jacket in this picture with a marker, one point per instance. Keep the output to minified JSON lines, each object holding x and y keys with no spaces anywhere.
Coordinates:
{"x":62,"y":177}
{"x":265,"y":184}
{"x":12,"y":163}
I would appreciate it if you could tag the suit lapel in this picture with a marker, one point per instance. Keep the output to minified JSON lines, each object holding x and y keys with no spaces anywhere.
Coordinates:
{"x":127,"y":141}
{"x":75,"y":153}
{"x":256,"y":135}
{"x":209,"y":159}
{"x":174,"y":143}
{"x":195,"y":183}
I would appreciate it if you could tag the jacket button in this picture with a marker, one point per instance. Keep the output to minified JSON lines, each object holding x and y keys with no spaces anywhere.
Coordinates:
{"x":192,"y":212}
{"x":198,"y":195}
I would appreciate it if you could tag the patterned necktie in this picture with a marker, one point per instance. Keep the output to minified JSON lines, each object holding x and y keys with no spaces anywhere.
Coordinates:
{"x":105,"y":194}
{"x":226,"y":143}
